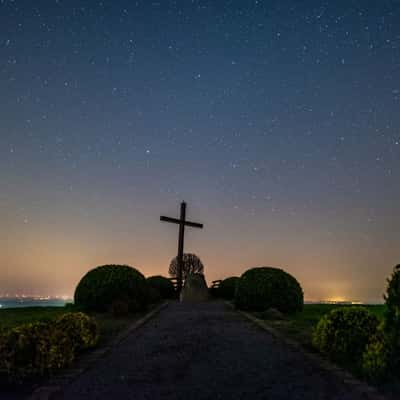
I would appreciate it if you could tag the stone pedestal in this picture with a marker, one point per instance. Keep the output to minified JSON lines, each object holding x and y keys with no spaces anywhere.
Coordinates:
{"x":195,"y":289}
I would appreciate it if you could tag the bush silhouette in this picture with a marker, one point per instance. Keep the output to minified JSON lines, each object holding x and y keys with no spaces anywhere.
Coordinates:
{"x":375,"y":359}
{"x":191,"y":265}
{"x":380,"y":360}
{"x":162,"y":285}
{"x":392,"y":319}
{"x":107,"y":284}
{"x":259,"y":289}
{"x":80,"y":328}
{"x":344,"y":333}
{"x":227,"y":288}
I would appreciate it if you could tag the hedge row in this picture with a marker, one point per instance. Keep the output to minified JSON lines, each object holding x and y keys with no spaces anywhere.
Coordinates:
{"x":120,"y":289}
{"x":37,"y":349}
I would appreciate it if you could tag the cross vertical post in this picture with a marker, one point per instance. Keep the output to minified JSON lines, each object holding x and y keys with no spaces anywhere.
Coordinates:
{"x":182,"y":223}
{"x":180,"y":244}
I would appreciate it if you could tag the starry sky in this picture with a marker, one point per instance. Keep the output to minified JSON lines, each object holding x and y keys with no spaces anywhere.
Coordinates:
{"x":276,"y":121}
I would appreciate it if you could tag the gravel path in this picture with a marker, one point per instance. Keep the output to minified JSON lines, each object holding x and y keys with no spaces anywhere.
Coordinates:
{"x":204,"y":351}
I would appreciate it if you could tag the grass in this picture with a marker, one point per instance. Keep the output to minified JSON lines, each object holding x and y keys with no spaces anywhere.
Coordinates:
{"x":11,"y":317}
{"x":300,"y":326}
{"x":109,"y":326}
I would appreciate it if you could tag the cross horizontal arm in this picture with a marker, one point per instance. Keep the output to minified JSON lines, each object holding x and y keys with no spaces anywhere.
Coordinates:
{"x":168,"y":219}
{"x":193,"y":224}
{"x":178,"y":221}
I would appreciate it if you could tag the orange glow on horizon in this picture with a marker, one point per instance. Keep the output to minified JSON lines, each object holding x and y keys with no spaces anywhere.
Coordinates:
{"x":337,"y":299}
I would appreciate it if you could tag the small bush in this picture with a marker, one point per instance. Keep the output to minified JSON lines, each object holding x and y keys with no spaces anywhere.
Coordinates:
{"x":227,"y":288}
{"x":343,"y":334}
{"x":28,"y":350}
{"x":259,"y":289}
{"x":392,"y":319}
{"x":101,"y":286}
{"x":375,"y":359}
{"x":80,"y":328}
{"x":163,"y":286}
{"x":36,"y":349}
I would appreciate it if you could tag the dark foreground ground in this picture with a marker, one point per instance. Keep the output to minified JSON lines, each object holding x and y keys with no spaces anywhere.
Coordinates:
{"x":205,"y":351}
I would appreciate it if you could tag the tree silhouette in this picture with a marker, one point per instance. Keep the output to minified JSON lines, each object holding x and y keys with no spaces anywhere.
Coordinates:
{"x":191,"y":265}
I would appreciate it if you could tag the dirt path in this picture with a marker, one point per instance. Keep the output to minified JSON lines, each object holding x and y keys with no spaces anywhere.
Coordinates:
{"x":205,"y":351}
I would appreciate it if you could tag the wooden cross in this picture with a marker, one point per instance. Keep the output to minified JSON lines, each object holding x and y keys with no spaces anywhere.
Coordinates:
{"x":182,"y":223}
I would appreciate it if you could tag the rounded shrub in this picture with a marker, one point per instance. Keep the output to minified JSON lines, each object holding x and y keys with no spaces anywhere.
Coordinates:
{"x":107,"y":284}
{"x":119,"y":308}
{"x":227,"y":287}
{"x":259,"y":289}
{"x":161,"y":285}
{"x":80,"y":328}
{"x":375,"y":359}
{"x":392,"y":319}
{"x":344,"y":333}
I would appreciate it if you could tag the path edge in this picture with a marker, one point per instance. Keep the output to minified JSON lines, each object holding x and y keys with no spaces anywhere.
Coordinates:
{"x":52,"y":389}
{"x":367,"y":391}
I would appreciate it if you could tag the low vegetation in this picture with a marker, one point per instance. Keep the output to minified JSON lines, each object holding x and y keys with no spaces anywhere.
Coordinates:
{"x":34,"y":349}
{"x":15,"y":319}
{"x":389,"y":341}
{"x":364,"y":339}
{"x":35,"y":342}
{"x":300,"y":326}
{"x":344,"y":333}
{"x":310,"y":328}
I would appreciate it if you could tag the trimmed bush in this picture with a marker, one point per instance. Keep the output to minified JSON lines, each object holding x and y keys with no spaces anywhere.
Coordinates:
{"x":375,"y":359}
{"x":29,"y":350}
{"x":344,"y":333}
{"x":259,"y":289}
{"x":392,"y":319}
{"x":80,"y":328}
{"x":227,"y":288}
{"x":36,"y":349}
{"x":104,"y":285}
{"x":119,"y":308}
{"x":163,"y":286}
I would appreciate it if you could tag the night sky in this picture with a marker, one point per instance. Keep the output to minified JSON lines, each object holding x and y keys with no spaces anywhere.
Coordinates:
{"x":276,"y":121}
